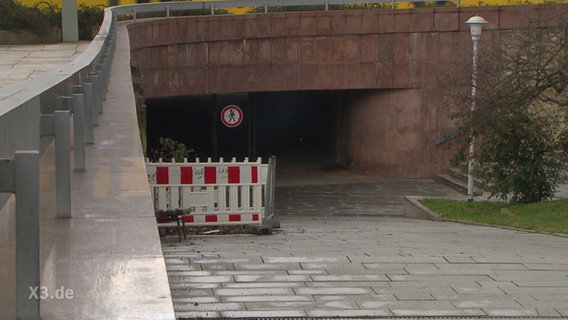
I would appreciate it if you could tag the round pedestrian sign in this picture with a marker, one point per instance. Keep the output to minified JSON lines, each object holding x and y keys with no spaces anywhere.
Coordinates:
{"x":231,"y":116}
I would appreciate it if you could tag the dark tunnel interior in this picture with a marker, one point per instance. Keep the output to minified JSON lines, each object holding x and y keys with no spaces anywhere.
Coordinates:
{"x":298,"y":127}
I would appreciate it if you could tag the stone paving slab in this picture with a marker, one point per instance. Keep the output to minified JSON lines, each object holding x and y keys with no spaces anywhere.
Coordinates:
{"x":374,"y":266}
{"x":368,"y":197}
{"x":22,"y":62}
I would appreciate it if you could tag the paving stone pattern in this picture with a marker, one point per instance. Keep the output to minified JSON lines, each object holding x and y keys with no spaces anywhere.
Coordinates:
{"x":22,"y":62}
{"x":376,"y":197}
{"x":352,"y":265}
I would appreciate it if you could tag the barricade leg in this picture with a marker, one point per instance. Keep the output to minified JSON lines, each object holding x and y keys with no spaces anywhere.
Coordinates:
{"x":268,"y":222}
{"x":271,"y":195}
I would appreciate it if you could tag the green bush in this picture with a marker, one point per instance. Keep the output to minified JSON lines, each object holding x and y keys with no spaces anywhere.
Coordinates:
{"x":89,"y":17}
{"x":170,"y":148}
{"x":18,"y":17}
{"x":45,"y":15}
{"x":520,"y":115}
{"x":51,"y":12}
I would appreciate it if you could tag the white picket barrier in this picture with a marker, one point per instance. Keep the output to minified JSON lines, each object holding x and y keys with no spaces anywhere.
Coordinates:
{"x":210,"y":193}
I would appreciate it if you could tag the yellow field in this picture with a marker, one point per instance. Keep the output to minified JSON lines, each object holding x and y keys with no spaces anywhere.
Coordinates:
{"x":465,"y":3}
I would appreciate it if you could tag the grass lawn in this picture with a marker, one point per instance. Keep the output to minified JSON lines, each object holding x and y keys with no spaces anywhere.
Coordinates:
{"x":547,"y":216}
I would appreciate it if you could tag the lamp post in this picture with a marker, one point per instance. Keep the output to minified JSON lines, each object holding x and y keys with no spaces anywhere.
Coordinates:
{"x":476,"y":25}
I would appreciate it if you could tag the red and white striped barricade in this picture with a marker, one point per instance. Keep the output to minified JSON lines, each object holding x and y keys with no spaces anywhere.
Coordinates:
{"x":210,"y":193}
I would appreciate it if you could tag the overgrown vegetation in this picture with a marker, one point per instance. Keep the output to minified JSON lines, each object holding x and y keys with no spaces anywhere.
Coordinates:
{"x":545,"y":216}
{"x":89,"y":17}
{"x":434,"y":4}
{"x":521,"y":119}
{"x":45,"y":15}
{"x":18,"y":17}
{"x":141,"y":109}
{"x":170,"y":149}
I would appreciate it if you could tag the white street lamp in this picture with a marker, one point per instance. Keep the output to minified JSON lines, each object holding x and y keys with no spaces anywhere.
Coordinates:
{"x":476,"y":25}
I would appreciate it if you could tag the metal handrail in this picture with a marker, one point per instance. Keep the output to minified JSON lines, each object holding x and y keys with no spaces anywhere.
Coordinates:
{"x":167,"y":7}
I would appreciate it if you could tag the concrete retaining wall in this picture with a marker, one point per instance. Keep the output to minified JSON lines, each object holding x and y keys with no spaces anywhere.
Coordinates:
{"x":52,"y":35}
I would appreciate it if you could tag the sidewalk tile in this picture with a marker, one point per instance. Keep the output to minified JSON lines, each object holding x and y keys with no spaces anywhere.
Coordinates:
{"x":253,"y":291}
{"x":264,"y":314}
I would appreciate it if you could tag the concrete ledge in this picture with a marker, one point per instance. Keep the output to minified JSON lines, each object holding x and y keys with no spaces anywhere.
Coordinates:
{"x":414,"y":209}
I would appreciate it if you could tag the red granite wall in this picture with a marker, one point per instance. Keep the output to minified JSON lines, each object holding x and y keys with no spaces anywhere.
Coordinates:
{"x":396,"y":57}
{"x":310,"y":50}
{"x":393,"y":133}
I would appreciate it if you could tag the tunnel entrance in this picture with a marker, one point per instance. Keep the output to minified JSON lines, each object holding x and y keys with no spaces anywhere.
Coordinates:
{"x":301,"y":128}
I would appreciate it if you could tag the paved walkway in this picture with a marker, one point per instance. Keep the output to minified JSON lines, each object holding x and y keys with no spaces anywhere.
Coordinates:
{"x":344,"y":250}
{"x":21,"y":62}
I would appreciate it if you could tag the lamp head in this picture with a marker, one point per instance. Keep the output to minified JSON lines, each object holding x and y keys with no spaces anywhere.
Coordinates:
{"x":476,"y":25}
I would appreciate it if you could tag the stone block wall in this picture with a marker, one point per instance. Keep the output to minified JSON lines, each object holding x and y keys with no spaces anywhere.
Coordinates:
{"x":392,"y":60}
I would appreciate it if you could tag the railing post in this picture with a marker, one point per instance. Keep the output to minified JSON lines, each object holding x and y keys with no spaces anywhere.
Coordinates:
{"x":57,"y":125}
{"x":26,"y":169}
{"x":21,"y":176}
{"x":63,"y":163}
{"x":79,"y":132}
{"x":78,"y":128}
{"x":96,"y":79}
{"x":81,"y":95}
{"x":104,"y":72}
{"x":90,"y":104}
{"x":67,"y":103}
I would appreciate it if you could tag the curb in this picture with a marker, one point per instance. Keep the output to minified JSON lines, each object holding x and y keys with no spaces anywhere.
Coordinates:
{"x":412,"y":208}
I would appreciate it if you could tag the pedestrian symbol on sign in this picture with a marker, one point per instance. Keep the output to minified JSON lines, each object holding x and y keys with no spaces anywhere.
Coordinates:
{"x":231,"y":116}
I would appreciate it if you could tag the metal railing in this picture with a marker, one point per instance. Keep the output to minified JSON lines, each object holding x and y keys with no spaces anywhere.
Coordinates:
{"x":168,"y":7}
{"x":38,"y":111}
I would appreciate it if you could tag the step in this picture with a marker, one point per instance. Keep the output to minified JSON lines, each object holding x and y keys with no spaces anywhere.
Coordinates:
{"x":452,"y":182}
{"x":460,"y":185}
{"x":460,"y":174}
